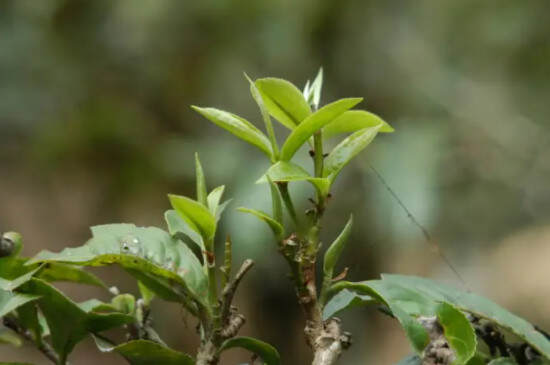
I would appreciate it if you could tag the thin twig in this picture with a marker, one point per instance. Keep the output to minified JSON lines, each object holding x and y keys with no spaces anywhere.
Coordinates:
{"x":231,"y":287}
{"x":43,"y":347}
{"x":427,"y":236}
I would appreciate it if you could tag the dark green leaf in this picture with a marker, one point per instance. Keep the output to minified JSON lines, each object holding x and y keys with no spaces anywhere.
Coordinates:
{"x":68,"y":323}
{"x":275,"y":226}
{"x":197,"y":216}
{"x":458,"y":331}
{"x":267,"y":352}
{"x":345,"y":299}
{"x":28,"y":318}
{"x":10,"y":301}
{"x":62,"y":272}
{"x":143,"y":352}
{"x":342,"y":154}
{"x":399,"y":301}
{"x":354,"y":120}
{"x":284,"y":101}
{"x":10,"y":285}
{"x":472,"y":303}
{"x":147,"y":250}
{"x":313,"y":123}
{"x":238,"y":126}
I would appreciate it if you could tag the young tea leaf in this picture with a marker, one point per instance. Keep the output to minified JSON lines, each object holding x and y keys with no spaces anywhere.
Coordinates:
{"x":213,"y":200}
{"x":342,"y":154}
{"x":265,"y":116}
{"x":313,"y":123}
{"x":316,"y":88}
{"x":196,"y":215}
{"x":178,"y":226}
{"x":335,"y":250}
{"x":275,"y":226}
{"x":201,"y":181}
{"x":276,"y":203}
{"x":284,"y":101}
{"x":354,"y":120}
{"x":238,"y":126}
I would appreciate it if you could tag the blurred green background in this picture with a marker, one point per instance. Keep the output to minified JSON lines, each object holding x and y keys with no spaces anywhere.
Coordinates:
{"x":95,"y":127}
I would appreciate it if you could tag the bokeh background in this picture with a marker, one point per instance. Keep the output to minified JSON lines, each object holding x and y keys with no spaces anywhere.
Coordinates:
{"x":95,"y":127}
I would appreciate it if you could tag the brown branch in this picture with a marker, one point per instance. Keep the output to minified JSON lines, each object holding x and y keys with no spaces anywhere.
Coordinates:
{"x":230,"y":289}
{"x":43,"y":347}
{"x":330,"y":342}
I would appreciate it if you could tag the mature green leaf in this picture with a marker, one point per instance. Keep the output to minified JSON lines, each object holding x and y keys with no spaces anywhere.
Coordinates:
{"x":345,"y":299}
{"x":28,"y":318}
{"x":284,"y":171}
{"x":144,"y":352}
{"x":342,"y":154}
{"x":401,"y":303}
{"x":238,"y":126}
{"x":458,"y":331}
{"x":313,"y":123}
{"x":411,"y":360}
{"x":335,"y":250}
{"x":275,"y":226}
{"x":10,"y":301}
{"x":267,"y":352}
{"x":162,"y":287}
{"x":197,"y":216}
{"x":284,"y":101}
{"x":69,"y":323}
{"x":265,"y":116}
{"x":62,"y":272}
{"x":178,"y":226}
{"x":201,"y":181}
{"x":9,"y":285}
{"x":355,"y":120}
{"x":145,"y":250}
{"x":472,"y":303}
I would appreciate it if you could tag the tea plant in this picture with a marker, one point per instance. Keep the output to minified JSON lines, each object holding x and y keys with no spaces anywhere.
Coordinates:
{"x":443,"y":325}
